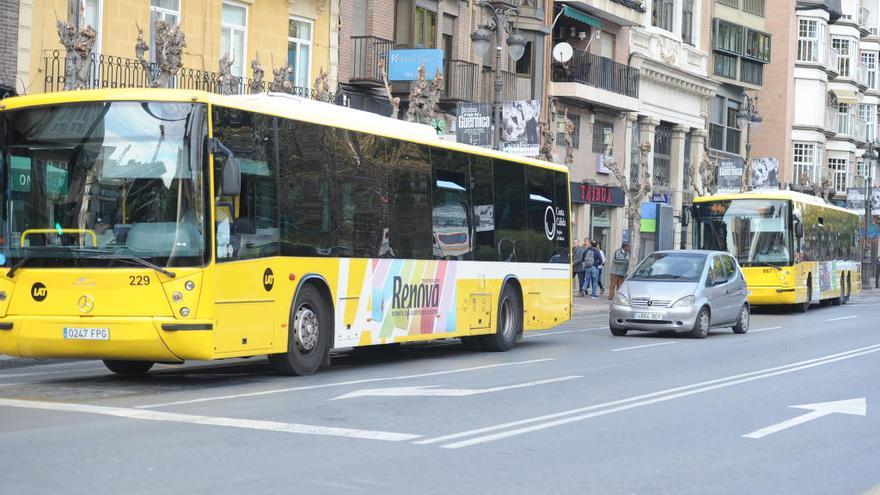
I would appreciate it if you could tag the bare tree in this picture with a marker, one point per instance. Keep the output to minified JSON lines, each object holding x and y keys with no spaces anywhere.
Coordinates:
{"x":634,"y":197}
{"x":394,"y":100}
{"x":259,"y":72}
{"x":169,"y":42}
{"x":703,"y":174}
{"x":548,"y":132}
{"x":77,"y":60}
{"x":419,"y":98}
{"x":568,"y":136}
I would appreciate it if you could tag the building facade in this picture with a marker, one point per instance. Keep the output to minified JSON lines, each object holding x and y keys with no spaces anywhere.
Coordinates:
{"x":9,"y":23}
{"x":302,"y":34}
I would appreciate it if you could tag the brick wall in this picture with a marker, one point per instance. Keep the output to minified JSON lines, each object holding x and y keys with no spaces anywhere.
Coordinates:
{"x":8,"y":42}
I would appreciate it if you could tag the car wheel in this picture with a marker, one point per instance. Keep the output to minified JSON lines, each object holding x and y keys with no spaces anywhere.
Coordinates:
{"x":510,"y":322}
{"x":618,"y":332}
{"x":701,"y":326}
{"x":128,"y":368}
{"x":309,"y":333}
{"x":742,"y":323}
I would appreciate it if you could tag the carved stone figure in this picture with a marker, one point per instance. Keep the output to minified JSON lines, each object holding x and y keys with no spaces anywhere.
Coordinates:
{"x":78,"y":57}
{"x":281,"y":80}
{"x":256,"y":85}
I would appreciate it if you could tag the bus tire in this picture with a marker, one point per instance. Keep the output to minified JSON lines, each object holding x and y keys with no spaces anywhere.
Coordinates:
{"x":128,"y":368}
{"x":845,"y":288}
{"x":840,"y":299}
{"x":510,"y":322}
{"x":472,"y":343}
{"x":308,"y":334}
{"x":805,"y":306}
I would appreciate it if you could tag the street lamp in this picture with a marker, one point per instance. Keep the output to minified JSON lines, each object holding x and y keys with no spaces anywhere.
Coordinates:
{"x":748,"y":115}
{"x":868,"y":156}
{"x":503,"y":14}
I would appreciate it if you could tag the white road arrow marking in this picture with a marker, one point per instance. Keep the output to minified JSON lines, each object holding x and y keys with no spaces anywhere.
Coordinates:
{"x":855,"y":407}
{"x":434,"y":391}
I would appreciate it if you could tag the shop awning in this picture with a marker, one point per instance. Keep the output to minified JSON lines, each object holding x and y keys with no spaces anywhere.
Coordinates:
{"x":579,"y":16}
{"x":845,"y":95}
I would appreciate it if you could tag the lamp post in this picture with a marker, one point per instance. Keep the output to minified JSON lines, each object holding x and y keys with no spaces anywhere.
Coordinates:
{"x":867,"y":259}
{"x":748,"y":115}
{"x":503,"y":14}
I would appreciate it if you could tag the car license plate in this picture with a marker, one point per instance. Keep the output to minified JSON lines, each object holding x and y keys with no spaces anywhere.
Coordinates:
{"x":648,"y":316}
{"x":74,"y":333}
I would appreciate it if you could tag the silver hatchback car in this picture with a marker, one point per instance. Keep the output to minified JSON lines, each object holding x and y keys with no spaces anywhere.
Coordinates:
{"x":682,"y":291}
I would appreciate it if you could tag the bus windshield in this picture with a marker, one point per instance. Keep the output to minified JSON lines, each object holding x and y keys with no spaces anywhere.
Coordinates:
{"x":755,"y":231}
{"x":94,"y":184}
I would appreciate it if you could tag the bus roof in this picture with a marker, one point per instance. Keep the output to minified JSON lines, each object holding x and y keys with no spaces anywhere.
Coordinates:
{"x":280,"y":105}
{"x":773,"y":194}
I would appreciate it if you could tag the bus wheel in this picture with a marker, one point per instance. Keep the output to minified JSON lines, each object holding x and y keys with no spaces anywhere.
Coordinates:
{"x":308,"y":333}
{"x":845,"y":289}
{"x":510,"y":322}
{"x":129,"y":368}
{"x":804,"y":306}
{"x":841,"y":299}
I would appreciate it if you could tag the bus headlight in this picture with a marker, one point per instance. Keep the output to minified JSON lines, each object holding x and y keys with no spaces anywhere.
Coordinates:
{"x":684,"y":302}
{"x":621,"y":300}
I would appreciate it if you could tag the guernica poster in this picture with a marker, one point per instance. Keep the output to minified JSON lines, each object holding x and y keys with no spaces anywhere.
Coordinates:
{"x":473,"y":124}
{"x":520,"y":127}
{"x":730,"y":174}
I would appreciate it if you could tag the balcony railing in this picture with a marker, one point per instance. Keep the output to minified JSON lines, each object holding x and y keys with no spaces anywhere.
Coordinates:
{"x":832,"y":59}
{"x":845,"y":124}
{"x":599,"y":72}
{"x":754,"y":7}
{"x":862,"y":75}
{"x":367,"y":53}
{"x":514,"y":86}
{"x":108,"y":71}
{"x":831,"y":119}
{"x":461,"y":80}
{"x":864,"y":16}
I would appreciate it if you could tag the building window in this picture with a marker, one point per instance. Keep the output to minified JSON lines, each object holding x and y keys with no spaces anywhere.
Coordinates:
{"x":725,"y":65}
{"x":728,"y":37}
{"x":233,"y":36}
{"x":426,"y":28}
{"x":805,"y":161}
{"x":724,"y":133}
{"x":870,"y":61}
{"x":837,"y":168}
{"x":662,"y":14}
{"x":687,"y":21}
{"x":635,"y":156}
{"x":560,"y":129}
{"x":524,"y":66}
{"x":868,"y":113}
{"x":843,"y":63}
{"x":863,"y":167}
{"x":662,"y":155}
{"x":757,"y":46}
{"x":811,"y":40}
{"x":299,"y":50}
{"x":754,"y":7}
{"x":603,"y":135}
{"x":415,"y":26}
{"x":162,"y":10}
{"x":752,"y":72}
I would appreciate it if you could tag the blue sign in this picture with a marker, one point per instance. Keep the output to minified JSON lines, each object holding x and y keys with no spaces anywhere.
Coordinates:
{"x":403,"y":65}
{"x":660,"y":198}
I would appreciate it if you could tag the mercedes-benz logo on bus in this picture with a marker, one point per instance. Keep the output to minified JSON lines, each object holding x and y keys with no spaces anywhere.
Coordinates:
{"x":85,"y":304}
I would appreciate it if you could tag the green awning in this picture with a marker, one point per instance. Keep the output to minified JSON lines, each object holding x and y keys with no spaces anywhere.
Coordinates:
{"x":579,"y":16}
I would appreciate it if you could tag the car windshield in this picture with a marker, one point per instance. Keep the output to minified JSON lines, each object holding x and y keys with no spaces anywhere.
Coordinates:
{"x":91,"y":184}
{"x":754,"y":231}
{"x":682,"y":267}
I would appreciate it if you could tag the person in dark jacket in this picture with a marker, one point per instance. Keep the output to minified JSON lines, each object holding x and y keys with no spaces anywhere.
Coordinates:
{"x":577,"y":266}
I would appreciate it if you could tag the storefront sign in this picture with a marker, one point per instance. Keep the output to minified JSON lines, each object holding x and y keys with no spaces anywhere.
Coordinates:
{"x":403,"y":65}
{"x":596,"y":194}
{"x":473,"y":123}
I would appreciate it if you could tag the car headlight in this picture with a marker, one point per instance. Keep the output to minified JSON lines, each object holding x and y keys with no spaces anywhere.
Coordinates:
{"x":621,"y":300}
{"x":684,"y":302}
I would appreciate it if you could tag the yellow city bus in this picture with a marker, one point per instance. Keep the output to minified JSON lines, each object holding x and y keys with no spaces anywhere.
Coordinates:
{"x":144,"y":226}
{"x":794,"y":249}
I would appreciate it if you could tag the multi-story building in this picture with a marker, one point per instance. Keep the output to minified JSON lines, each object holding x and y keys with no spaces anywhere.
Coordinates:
{"x":822,"y":92}
{"x":302,"y":34}
{"x":9,"y":27}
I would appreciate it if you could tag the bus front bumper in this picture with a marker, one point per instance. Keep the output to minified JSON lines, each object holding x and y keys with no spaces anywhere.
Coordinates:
{"x":768,"y":296}
{"x":126,"y":338}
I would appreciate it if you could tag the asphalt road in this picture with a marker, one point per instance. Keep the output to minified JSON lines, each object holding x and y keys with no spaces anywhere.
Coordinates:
{"x":572,"y":410}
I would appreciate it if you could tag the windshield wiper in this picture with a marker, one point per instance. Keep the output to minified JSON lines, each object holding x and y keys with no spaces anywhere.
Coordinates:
{"x":18,"y":264}
{"x":137,"y":260}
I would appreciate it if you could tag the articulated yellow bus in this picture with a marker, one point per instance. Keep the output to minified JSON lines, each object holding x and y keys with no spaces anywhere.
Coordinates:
{"x":143,"y":226}
{"x":794,"y":248}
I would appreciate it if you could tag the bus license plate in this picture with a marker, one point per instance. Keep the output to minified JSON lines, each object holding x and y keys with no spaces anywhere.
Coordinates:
{"x":73,"y":333}
{"x":648,"y":316}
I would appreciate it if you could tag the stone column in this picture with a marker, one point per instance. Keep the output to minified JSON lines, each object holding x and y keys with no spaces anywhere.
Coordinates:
{"x":676,"y":179}
{"x":647,"y":130}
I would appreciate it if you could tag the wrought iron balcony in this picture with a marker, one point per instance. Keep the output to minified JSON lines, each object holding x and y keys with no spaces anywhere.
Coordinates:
{"x":461,"y":80}
{"x":598,"y":72}
{"x":514,"y":86}
{"x":367,"y":53}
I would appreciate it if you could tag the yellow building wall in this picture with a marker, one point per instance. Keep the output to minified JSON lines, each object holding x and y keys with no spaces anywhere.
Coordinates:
{"x":200,"y":21}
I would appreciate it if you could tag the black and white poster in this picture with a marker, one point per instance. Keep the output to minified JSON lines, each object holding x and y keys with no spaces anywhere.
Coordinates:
{"x":765,"y":173}
{"x":519,"y":130}
{"x":855,"y":200}
{"x":730,"y":174}
{"x":473,"y":124}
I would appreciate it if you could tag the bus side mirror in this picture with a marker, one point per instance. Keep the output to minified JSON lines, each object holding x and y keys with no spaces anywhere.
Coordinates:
{"x":231,"y":181}
{"x":799,"y":230}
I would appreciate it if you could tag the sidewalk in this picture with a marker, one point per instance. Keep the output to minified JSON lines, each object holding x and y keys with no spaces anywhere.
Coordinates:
{"x":590,"y":306}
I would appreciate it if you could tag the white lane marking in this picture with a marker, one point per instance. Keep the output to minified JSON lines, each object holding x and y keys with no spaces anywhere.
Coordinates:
{"x":621,"y":349}
{"x":764,"y":329}
{"x":843,"y":318}
{"x":855,"y":407}
{"x":342,"y":384}
{"x":635,"y":398}
{"x":559,"y":422}
{"x":542,"y":334}
{"x":250,"y":424}
{"x":433,"y":391}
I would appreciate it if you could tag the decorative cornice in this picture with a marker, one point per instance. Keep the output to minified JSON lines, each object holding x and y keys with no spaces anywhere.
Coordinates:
{"x":665,"y":77}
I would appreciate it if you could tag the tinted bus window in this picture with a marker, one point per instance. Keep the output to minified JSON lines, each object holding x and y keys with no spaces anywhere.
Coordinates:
{"x":409,"y":201}
{"x":362,"y":201}
{"x":542,"y":215}
{"x":451,"y":208}
{"x":510,"y":212}
{"x":563,"y":251}
{"x":483,"y":199}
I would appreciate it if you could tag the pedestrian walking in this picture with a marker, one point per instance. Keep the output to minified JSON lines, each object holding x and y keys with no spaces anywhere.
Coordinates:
{"x":600,"y":265}
{"x":619,"y":267}
{"x":577,"y":266}
{"x":591,"y":257}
